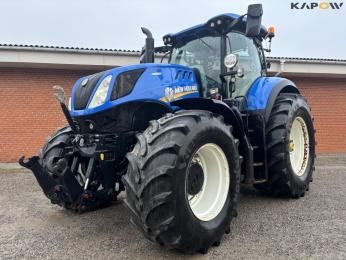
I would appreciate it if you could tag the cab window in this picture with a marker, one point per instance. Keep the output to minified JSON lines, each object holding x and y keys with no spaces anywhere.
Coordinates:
{"x":202,"y":54}
{"x":248,"y":59}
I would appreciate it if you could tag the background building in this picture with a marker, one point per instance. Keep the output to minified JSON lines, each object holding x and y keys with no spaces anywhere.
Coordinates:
{"x":29,"y":112}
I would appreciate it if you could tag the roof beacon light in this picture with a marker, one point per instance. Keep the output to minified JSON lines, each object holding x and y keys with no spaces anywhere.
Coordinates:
{"x":271,"y":32}
{"x":270,"y":36}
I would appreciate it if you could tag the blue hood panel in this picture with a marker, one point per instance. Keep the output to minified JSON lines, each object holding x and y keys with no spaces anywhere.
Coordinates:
{"x":159,"y":82}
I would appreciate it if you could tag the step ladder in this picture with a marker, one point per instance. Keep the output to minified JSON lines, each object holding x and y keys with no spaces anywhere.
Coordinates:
{"x":256,"y":135}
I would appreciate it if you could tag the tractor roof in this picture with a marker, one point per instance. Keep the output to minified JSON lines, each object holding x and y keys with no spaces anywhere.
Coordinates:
{"x":205,"y":28}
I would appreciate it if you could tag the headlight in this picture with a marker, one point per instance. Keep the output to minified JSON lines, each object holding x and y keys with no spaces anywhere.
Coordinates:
{"x":101,"y":93}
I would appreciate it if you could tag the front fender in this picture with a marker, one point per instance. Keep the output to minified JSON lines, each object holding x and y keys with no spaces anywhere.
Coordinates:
{"x":215,"y":106}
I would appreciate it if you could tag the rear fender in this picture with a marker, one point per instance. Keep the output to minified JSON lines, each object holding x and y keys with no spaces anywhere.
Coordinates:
{"x":261,"y":98}
{"x":264,"y":91}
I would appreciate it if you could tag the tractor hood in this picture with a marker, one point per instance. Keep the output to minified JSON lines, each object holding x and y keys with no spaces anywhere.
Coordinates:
{"x":143,"y":82}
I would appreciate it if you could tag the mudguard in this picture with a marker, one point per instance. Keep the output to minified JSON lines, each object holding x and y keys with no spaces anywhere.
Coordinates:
{"x":264,"y":91}
{"x":215,"y":106}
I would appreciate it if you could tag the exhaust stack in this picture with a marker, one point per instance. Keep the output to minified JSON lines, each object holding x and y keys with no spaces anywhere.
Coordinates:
{"x":147,"y":55}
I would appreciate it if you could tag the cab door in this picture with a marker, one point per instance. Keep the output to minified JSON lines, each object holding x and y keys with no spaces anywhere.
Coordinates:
{"x":248,"y":60}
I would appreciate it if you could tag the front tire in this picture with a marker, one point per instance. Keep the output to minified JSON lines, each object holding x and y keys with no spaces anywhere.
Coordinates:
{"x":168,"y":167}
{"x":290,"y":144}
{"x":53,"y":150}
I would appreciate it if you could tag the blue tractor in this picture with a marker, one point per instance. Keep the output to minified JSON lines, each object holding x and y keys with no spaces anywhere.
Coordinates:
{"x":181,"y":137}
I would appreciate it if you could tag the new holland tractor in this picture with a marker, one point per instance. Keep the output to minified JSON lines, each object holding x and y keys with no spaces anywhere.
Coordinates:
{"x":180,"y":137}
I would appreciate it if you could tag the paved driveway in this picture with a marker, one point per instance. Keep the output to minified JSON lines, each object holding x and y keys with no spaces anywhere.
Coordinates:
{"x":311,"y":227}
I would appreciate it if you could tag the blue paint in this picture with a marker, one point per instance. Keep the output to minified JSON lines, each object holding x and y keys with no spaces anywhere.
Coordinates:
{"x":198,"y":30}
{"x":260,"y":91}
{"x":157,"y":78}
{"x":149,"y":87}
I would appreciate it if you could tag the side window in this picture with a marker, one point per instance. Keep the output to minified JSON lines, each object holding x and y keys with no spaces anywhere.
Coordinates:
{"x":248,"y":59}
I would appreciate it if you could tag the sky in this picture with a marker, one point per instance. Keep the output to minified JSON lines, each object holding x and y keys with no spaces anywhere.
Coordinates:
{"x":115,"y":24}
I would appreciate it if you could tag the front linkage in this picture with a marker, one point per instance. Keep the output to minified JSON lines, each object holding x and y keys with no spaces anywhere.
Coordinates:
{"x":78,"y":171}
{"x":66,"y":184}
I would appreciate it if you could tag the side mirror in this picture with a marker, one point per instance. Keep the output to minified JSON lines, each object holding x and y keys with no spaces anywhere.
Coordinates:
{"x":254,"y":20}
{"x":240,"y":72}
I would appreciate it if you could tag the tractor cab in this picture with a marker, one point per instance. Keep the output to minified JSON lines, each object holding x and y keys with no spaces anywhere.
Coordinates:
{"x":226,"y":53}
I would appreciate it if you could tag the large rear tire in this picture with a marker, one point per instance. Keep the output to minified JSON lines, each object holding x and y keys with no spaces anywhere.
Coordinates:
{"x":290,"y":144}
{"x":183,"y":180}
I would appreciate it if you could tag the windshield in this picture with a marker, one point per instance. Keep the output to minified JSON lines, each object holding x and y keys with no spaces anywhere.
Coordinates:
{"x":202,"y":54}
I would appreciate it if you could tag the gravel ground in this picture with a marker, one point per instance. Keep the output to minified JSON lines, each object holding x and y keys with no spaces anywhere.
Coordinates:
{"x":311,"y":227}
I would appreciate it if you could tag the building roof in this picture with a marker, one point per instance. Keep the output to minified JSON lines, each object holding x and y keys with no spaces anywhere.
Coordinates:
{"x":310,"y":60}
{"x":45,"y":56}
{"x":4,"y":46}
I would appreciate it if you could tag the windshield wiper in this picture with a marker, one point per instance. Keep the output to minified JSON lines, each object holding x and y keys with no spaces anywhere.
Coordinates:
{"x":206,"y":44}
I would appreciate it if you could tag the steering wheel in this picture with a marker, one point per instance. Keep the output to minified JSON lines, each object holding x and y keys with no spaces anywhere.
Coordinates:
{"x":189,"y":59}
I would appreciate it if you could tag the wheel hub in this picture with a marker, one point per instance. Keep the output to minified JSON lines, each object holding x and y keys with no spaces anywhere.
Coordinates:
{"x":299,"y":146}
{"x":207,"y":182}
{"x":195,"y":179}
